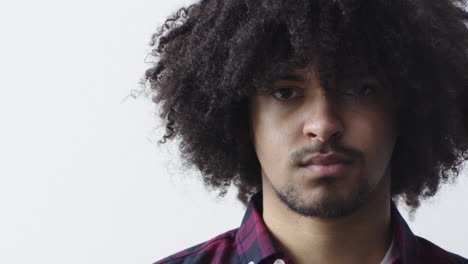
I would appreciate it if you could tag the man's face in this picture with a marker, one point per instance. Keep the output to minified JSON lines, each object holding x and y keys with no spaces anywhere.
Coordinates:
{"x":297,"y":119}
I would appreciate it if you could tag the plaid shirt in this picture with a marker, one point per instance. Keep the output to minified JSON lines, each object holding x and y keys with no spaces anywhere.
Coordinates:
{"x":251,"y":243}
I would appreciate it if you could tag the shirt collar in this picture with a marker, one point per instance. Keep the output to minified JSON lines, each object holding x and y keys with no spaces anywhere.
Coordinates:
{"x":255,"y":243}
{"x":406,"y":241}
{"x":253,"y":238}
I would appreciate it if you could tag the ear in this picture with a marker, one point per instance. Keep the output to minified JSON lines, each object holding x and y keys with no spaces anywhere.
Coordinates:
{"x":464,"y":112}
{"x":250,"y":121}
{"x":251,"y":133}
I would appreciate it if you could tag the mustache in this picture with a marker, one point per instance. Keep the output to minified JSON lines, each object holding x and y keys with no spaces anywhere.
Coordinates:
{"x":296,"y":157}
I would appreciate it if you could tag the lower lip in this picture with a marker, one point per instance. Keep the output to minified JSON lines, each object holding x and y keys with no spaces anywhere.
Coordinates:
{"x":330,"y":170}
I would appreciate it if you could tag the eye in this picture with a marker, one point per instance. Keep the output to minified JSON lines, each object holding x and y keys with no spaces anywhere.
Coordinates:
{"x":285,"y":93}
{"x":360,"y":88}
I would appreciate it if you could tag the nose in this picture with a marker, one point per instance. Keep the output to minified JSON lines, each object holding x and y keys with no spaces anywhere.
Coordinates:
{"x":322,"y":122}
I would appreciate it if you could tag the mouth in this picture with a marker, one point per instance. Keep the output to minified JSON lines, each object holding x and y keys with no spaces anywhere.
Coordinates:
{"x":334,"y":170}
{"x":326,"y":159}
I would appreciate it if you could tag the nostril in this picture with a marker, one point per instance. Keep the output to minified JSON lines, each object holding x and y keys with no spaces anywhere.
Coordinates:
{"x":334,"y":136}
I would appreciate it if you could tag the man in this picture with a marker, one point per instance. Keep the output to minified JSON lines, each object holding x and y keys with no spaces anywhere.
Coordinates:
{"x":323,"y":114}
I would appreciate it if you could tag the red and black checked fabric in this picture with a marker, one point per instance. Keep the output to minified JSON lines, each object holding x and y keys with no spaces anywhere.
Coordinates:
{"x":251,"y":243}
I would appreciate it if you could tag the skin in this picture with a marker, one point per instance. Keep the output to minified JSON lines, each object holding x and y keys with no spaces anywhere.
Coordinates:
{"x":312,"y":217}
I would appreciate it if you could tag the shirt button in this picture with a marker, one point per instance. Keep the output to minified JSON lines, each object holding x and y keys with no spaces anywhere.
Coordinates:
{"x":279,"y":261}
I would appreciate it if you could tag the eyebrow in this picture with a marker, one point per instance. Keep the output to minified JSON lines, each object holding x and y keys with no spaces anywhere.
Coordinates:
{"x":291,"y":76}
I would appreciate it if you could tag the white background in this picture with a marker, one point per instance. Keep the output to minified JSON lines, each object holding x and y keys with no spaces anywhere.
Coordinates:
{"x":81,"y":179}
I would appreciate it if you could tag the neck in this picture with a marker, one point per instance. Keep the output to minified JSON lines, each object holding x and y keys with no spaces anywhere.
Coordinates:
{"x":361,"y":237}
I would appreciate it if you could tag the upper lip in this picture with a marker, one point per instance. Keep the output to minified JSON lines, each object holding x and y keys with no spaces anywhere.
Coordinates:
{"x":321,"y":159}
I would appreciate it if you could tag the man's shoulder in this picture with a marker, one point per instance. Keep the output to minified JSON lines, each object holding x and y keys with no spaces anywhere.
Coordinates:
{"x":432,"y":253}
{"x":220,"y":249}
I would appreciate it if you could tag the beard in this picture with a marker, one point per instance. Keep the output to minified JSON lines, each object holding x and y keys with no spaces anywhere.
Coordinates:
{"x":329,"y":205}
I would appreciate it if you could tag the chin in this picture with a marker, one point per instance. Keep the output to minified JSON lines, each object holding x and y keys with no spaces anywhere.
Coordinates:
{"x":324,"y":201}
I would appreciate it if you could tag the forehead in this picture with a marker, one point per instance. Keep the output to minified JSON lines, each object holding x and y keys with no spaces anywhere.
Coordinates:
{"x":310,"y":73}
{"x":297,"y":74}
{"x":312,"y":70}
{"x":328,"y":71}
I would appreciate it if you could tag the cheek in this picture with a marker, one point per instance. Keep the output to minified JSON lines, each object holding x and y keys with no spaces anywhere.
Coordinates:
{"x":271,"y":134}
{"x":373,"y":134}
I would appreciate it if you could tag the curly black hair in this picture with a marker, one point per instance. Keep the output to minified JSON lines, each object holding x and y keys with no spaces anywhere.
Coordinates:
{"x":212,"y":55}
